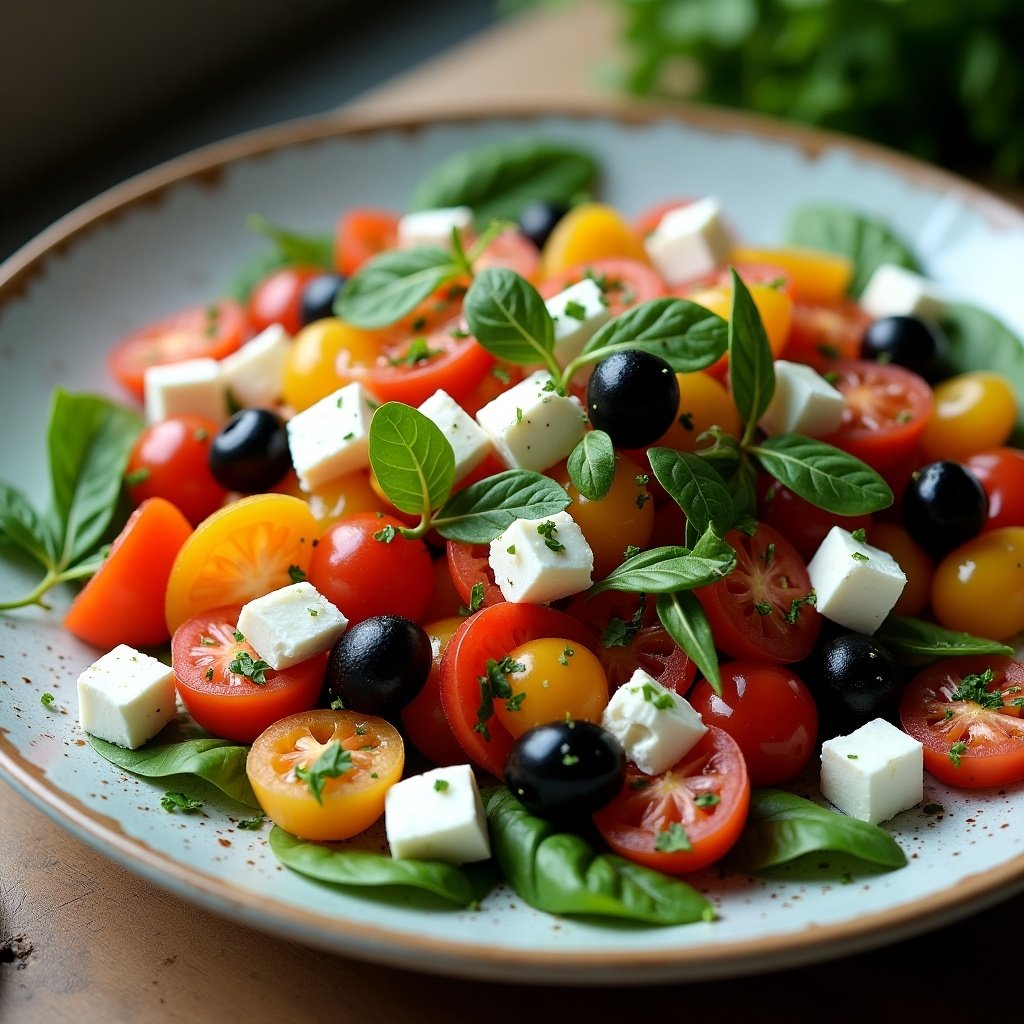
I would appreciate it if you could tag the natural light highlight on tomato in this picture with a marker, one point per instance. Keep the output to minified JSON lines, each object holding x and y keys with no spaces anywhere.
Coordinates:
{"x":970,"y":412}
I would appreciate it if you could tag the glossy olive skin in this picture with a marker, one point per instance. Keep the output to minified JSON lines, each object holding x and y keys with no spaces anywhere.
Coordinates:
{"x":379,"y":665}
{"x":250,"y":452}
{"x":909,"y":341}
{"x":943,"y":506}
{"x":633,"y":396}
{"x":565,"y":770}
{"x":317,"y":299}
{"x":538,"y":220}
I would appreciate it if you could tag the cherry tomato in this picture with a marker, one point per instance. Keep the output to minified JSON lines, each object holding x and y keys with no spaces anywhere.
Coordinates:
{"x":973,"y":734}
{"x":760,"y":609}
{"x":208,"y":659}
{"x":470,"y":567}
{"x":822,"y":332}
{"x":589,"y":232}
{"x":361,"y":234}
{"x":914,"y":562}
{"x":624,"y":282}
{"x":814,"y":276}
{"x":343,"y":496}
{"x":318,"y":359}
{"x":887,"y":409}
{"x":513,"y":251}
{"x":704,"y":402}
{"x":482,"y":642}
{"x":214,"y":330}
{"x":277,"y":299}
{"x":363,"y":576}
{"x":685,"y":818}
{"x":349,"y":802}
{"x":1001,"y":472}
{"x":970,"y":412}
{"x":769,"y":712}
{"x":170,"y":460}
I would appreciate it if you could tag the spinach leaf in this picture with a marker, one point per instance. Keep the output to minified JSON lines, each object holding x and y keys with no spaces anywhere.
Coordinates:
{"x":684,"y":620}
{"x":560,"y":873}
{"x":915,"y":636}
{"x":591,"y":465}
{"x":782,"y":826}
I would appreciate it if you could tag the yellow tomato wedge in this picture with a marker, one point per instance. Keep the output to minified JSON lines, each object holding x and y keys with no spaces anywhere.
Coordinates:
{"x":591,"y":231}
{"x":814,"y":275}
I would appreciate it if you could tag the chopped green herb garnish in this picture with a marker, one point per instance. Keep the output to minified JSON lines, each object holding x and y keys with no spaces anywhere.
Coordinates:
{"x":576,"y":310}
{"x":180,"y":802}
{"x":511,"y":549}
{"x":386,"y":534}
{"x":337,"y":704}
{"x":860,"y":535}
{"x":242,"y":664}
{"x":476,"y":600}
{"x":859,"y":556}
{"x":547,"y":530}
{"x":956,"y":752}
{"x":763,"y":607}
{"x":47,"y":699}
{"x":334,"y":761}
{"x":975,"y":687}
{"x":661,"y":699}
{"x":797,"y":603}
{"x":295,"y":574}
{"x":515,"y":702}
{"x":673,"y":839}
{"x":441,"y":785}
{"x":136,"y":477}
{"x":519,"y":415}
{"x":251,"y":824}
{"x":707,"y":800}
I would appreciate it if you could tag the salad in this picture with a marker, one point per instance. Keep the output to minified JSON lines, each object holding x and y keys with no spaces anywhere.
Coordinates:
{"x":699,"y":523}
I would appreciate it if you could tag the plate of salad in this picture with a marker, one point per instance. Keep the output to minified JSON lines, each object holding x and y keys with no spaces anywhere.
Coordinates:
{"x":544,"y":546}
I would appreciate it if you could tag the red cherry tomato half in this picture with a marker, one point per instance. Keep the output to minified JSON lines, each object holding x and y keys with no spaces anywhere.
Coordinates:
{"x":362,"y":234}
{"x":277,"y":298}
{"x":470,"y":567}
{"x":513,"y":251}
{"x":822,"y":333}
{"x":625,"y":283}
{"x":1001,"y":472}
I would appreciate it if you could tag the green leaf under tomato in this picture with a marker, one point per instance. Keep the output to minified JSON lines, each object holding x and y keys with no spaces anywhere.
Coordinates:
{"x":915,"y":636}
{"x":591,"y":465}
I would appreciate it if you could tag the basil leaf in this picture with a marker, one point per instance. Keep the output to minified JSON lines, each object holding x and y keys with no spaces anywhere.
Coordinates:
{"x":478,"y":513}
{"x":695,"y":487}
{"x":392,"y":284}
{"x":292,"y":247}
{"x":559,"y":873}
{"x":498,"y":180}
{"x":915,"y":636}
{"x":21,"y":526}
{"x":751,"y":366}
{"x":868,"y":243}
{"x":684,"y":620}
{"x":978,"y":341}
{"x":219,"y":762}
{"x":781,"y":826}
{"x":823,"y":475}
{"x":411,"y":458}
{"x":591,"y":465}
{"x":687,"y":336}
{"x":506,"y":315}
{"x":341,"y":866}
{"x":664,"y":570}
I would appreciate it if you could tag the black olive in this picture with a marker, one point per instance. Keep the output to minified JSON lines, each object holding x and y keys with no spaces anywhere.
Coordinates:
{"x":250,"y":452}
{"x":379,"y":665}
{"x":538,"y":220}
{"x":633,"y":396}
{"x":909,"y":341}
{"x":943,"y":506}
{"x":317,"y":299}
{"x":565,"y":770}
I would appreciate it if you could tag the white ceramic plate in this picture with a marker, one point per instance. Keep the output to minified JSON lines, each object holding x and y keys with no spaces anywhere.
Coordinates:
{"x":172,"y":238}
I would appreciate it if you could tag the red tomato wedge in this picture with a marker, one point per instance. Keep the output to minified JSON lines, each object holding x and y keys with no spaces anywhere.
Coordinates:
{"x":361,"y":234}
{"x":469,"y":567}
{"x":625,"y":282}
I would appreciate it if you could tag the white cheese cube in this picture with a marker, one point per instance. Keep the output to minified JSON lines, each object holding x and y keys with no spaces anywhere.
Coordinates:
{"x":291,"y":625}
{"x":874,"y":773}
{"x":330,"y":437}
{"x":126,"y":697}
{"x":803,"y":402}
{"x":254,"y":374}
{"x":437,"y":816}
{"x":689,"y":241}
{"x":433,"y":227}
{"x":193,"y":387}
{"x":531,"y":425}
{"x":656,"y":727}
{"x":540,"y":560}
{"x":578,"y":312}
{"x":469,"y":442}
{"x":854,"y":584}
{"x":895,"y":291}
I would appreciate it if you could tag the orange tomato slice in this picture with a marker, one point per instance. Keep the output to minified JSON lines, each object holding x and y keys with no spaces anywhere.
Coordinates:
{"x":814,"y":276}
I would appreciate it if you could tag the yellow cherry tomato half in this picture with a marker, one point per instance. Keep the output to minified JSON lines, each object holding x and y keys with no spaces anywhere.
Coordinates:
{"x":912,"y":559}
{"x":317,"y":357}
{"x":814,"y":275}
{"x":590,"y":231}
{"x":970,"y":412}
{"x":704,"y":402}
{"x":243,"y":551}
{"x":323,"y":774}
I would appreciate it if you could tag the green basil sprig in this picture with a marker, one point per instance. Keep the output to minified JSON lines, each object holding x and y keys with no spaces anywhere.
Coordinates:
{"x":684,"y":620}
{"x":288,"y":248}
{"x":751,"y":364}
{"x":917,"y":637}
{"x":591,"y":465}
{"x":695,"y":487}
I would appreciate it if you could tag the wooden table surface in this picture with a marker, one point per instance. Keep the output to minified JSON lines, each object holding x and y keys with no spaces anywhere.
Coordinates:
{"x":83,"y":940}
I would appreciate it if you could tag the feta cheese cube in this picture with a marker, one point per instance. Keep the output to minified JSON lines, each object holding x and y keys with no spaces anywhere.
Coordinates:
{"x":437,"y":816}
{"x":291,"y":625}
{"x":895,"y":291}
{"x":193,"y":387}
{"x":578,"y":312}
{"x":854,"y":583}
{"x":540,"y":560}
{"x":531,"y":425}
{"x":803,"y":402}
{"x":690,"y":241}
{"x":126,"y":697}
{"x":655,"y":726}
{"x":254,"y":374}
{"x":469,"y":442}
{"x":433,"y":227}
{"x":874,"y":773}
{"x":330,"y":437}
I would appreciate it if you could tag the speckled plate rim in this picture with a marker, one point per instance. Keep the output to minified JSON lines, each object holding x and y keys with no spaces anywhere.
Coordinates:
{"x":807,"y":945}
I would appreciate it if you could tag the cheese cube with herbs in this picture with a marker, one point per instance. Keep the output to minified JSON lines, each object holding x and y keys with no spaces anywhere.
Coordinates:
{"x":855,"y":584}
{"x":893,"y":290}
{"x":803,"y":402}
{"x":126,"y":697}
{"x":438,"y":815}
{"x":253,"y":374}
{"x":330,"y":437}
{"x":433,"y":228}
{"x":689,"y":241}
{"x":470,"y":444}
{"x":532,"y":426}
{"x":291,"y":625}
{"x":656,"y":726}
{"x":578,"y":312}
{"x":874,"y":773}
{"x":192,"y":387}
{"x":540,"y":560}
